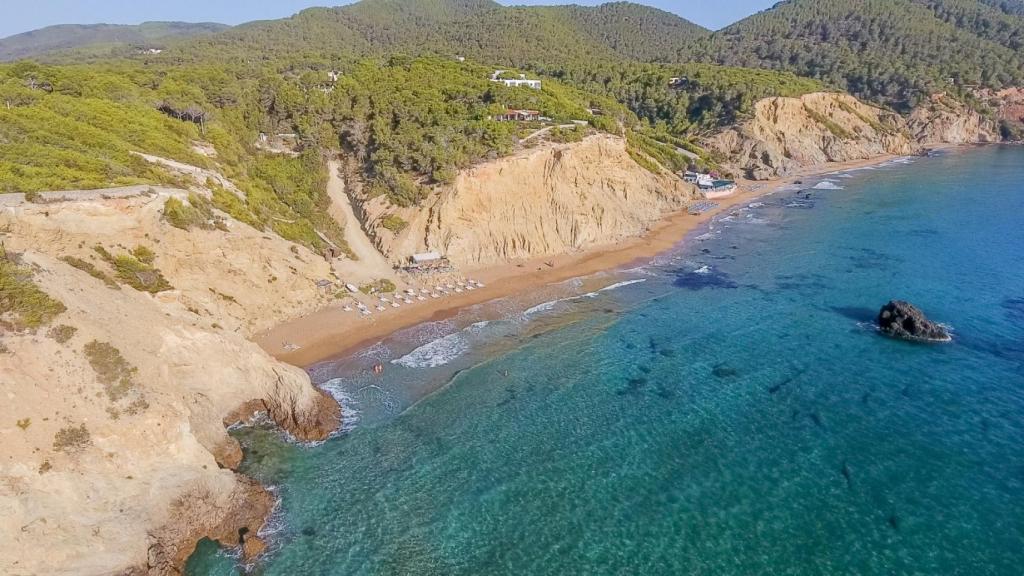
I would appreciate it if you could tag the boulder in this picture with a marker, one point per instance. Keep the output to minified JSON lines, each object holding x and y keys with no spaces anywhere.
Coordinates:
{"x":901,"y":319}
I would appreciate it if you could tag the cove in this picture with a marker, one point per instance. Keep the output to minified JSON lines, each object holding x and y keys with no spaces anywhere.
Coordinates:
{"x":726,"y":409}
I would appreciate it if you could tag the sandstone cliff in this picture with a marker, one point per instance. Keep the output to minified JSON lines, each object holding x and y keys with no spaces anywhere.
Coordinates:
{"x":114,"y":455}
{"x":789,"y":134}
{"x":554,"y":199}
{"x":943,"y":120}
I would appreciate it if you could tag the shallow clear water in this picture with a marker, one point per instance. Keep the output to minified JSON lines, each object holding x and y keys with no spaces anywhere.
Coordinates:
{"x":732,"y":414}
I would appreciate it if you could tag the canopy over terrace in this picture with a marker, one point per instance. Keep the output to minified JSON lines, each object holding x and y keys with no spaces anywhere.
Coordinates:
{"x":427,"y":261}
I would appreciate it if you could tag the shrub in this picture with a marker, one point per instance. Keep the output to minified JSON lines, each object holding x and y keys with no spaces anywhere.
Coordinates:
{"x":71,"y":439}
{"x":198,"y":213}
{"x":144,"y":254}
{"x":62,"y":334}
{"x":112,"y":370}
{"x":135,"y":273}
{"x":24,"y":423}
{"x":91,"y":270}
{"x":383,"y":285}
{"x":22,"y":304}
{"x":836,"y":130}
{"x":567,"y":135}
{"x":394,"y":223}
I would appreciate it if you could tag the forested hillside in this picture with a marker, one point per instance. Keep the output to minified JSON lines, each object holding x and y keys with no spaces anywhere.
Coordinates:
{"x":384,"y":80}
{"x":893,"y":52}
{"x":99,"y":37}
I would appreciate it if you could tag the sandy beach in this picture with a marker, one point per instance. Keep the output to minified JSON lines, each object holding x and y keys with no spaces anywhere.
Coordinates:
{"x":332,"y":332}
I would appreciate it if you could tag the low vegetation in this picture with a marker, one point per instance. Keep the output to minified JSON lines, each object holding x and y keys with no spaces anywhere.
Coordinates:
{"x":394,"y":223}
{"x":129,"y":269}
{"x":22,"y":304}
{"x":382,"y":286}
{"x":72,"y":439}
{"x":90,"y":269}
{"x":62,"y":333}
{"x":836,"y":130}
{"x":198,"y":213}
{"x":112,"y":371}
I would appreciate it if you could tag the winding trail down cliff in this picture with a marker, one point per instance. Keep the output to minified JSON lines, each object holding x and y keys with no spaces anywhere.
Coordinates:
{"x":371,"y":263}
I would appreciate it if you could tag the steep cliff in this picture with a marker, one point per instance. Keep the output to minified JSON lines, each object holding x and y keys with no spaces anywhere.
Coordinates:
{"x":554,"y":199}
{"x":943,"y":120}
{"x":788,"y":134}
{"x":115,"y":456}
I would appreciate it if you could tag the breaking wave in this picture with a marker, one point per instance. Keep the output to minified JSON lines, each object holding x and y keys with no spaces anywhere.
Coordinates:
{"x":827,"y":185}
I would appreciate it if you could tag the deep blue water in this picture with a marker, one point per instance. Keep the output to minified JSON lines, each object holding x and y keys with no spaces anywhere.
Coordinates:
{"x":734,"y":413}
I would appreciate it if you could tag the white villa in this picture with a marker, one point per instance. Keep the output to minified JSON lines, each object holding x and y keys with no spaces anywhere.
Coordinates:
{"x":515,"y":82}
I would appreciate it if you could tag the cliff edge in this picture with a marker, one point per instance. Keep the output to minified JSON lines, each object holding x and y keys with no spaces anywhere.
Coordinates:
{"x":553,"y":199}
{"x":115,"y":457}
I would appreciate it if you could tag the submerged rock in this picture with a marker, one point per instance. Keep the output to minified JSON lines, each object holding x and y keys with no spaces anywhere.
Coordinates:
{"x":901,"y":319}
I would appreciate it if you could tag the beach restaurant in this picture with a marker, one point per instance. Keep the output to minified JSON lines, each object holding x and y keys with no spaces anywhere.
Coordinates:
{"x":710,"y":185}
{"x":427,"y":261}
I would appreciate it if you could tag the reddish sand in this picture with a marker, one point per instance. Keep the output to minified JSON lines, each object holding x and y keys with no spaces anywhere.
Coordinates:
{"x":332,"y":332}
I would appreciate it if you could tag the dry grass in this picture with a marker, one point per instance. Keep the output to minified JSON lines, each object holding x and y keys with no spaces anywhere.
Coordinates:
{"x":22,"y":304}
{"x":91,"y":270}
{"x":133,"y":271}
{"x":72,"y":439}
{"x":62,"y":333}
{"x":112,"y":370}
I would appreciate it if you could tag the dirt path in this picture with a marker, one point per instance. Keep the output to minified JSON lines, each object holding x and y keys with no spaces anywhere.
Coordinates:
{"x":546,"y":130}
{"x":372,"y":264}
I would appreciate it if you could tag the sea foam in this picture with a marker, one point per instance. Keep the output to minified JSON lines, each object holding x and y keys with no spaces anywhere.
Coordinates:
{"x":440,"y":351}
{"x":827,"y":185}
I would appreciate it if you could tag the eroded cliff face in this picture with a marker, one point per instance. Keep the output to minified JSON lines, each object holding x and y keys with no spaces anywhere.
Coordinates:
{"x":786,"y":135}
{"x":553,"y":199}
{"x":943,"y":120}
{"x":114,"y":455}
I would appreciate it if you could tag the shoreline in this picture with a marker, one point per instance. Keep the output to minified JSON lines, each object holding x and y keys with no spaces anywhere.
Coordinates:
{"x":331,"y":333}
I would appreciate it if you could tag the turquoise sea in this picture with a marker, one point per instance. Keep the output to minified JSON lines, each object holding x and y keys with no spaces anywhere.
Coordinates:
{"x":724,"y":409}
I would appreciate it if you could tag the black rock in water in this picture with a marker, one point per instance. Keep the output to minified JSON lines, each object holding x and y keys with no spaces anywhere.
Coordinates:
{"x":902,"y":320}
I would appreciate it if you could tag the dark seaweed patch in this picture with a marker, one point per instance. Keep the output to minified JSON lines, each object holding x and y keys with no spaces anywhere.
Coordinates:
{"x":724,"y":371}
{"x":309,"y":531}
{"x":664,"y":392}
{"x":1014,"y":309}
{"x":633,"y":387}
{"x":778,"y":386}
{"x":894,"y":522}
{"x":816,"y":418}
{"x":799,"y":282}
{"x":871,"y":259}
{"x":510,"y":396}
{"x":713,"y":279}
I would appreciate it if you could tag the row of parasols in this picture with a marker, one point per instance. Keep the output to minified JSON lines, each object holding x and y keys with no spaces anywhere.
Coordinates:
{"x":411,"y":296}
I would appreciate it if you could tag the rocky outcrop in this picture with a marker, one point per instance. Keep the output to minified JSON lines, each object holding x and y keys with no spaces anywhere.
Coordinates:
{"x":152,"y":474}
{"x":900,"y":319}
{"x":786,"y":135}
{"x":789,"y":134}
{"x":944,"y":120}
{"x":553,"y":199}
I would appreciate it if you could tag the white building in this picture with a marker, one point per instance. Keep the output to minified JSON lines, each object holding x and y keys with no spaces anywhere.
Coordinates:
{"x":515,"y":82}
